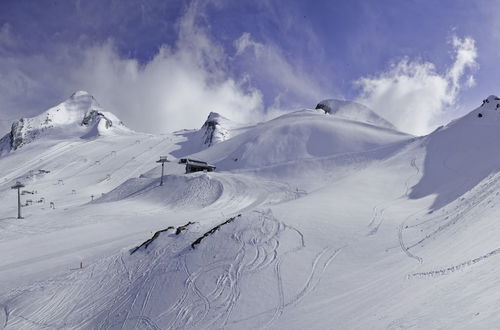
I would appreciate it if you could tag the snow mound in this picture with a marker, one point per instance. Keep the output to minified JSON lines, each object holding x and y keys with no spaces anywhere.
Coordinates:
{"x":353,"y":111}
{"x":461,"y":154}
{"x":194,"y":191}
{"x":201,"y":190}
{"x":80,"y":115}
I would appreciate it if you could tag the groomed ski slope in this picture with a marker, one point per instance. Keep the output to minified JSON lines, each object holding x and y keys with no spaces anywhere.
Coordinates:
{"x":369,"y":228}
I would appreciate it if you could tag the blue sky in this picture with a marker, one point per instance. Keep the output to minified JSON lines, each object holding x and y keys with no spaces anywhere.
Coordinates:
{"x":164,"y":65}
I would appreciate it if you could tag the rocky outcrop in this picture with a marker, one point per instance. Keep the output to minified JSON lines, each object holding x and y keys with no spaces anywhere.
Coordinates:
{"x":214,"y":130}
{"x":93,"y":117}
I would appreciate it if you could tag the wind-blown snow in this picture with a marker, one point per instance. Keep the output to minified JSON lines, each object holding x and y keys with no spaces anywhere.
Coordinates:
{"x":353,"y":111}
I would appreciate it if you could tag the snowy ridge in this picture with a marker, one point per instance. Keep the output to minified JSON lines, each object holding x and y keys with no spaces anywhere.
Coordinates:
{"x":461,"y":154}
{"x":353,"y":111}
{"x":300,"y":135}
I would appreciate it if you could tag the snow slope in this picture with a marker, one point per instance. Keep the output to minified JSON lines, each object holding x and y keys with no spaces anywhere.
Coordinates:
{"x":461,"y":154}
{"x":322,"y":222}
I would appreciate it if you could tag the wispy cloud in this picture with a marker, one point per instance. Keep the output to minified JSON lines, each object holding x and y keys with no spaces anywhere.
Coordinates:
{"x":413,"y":94}
{"x":175,"y":89}
{"x":291,"y":84}
{"x":245,"y":80}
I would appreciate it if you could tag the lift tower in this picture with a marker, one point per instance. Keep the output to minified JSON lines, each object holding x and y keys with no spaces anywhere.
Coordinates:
{"x":18,"y":186}
{"x":163,"y":160}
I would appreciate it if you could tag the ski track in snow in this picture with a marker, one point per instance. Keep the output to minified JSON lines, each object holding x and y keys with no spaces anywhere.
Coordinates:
{"x":379,"y":210}
{"x":19,"y":171}
{"x":402,"y":226}
{"x":264,"y":244}
{"x":480,"y":195}
{"x":448,"y":270}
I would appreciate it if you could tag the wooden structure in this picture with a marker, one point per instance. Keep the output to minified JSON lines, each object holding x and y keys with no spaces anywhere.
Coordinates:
{"x":193,"y":165}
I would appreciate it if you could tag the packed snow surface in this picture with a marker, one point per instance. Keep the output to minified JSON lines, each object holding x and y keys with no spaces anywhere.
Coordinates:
{"x":311,"y":221}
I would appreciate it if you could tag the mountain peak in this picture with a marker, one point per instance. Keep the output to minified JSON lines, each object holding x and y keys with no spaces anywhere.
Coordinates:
{"x":80,"y":115}
{"x":353,"y":111}
{"x":80,"y":94}
{"x":215,"y":129}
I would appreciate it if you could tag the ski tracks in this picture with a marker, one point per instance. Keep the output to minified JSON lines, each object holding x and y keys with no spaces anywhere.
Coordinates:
{"x":379,"y":210}
{"x":448,"y":270}
{"x":259,"y":249}
{"x":176,"y":287}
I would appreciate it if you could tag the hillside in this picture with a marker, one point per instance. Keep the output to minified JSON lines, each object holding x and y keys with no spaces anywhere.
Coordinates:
{"x":312,"y":220}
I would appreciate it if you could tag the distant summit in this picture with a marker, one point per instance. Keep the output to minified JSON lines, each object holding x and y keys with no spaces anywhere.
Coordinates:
{"x":215,"y":129}
{"x":353,"y":111}
{"x":80,"y":115}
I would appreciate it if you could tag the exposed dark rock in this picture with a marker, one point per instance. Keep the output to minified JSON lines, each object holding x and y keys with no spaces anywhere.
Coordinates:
{"x":213,"y":230}
{"x":94,"y":116}
{"x":149,"y":241}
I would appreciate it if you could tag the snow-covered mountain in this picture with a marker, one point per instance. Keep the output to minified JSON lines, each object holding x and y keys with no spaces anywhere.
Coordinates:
{"x":79,"y":115}
{"x":313,"y":220}
{"x":297,"y":139}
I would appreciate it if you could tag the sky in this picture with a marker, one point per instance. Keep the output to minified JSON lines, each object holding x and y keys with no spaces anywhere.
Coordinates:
{"x":163,"y":65}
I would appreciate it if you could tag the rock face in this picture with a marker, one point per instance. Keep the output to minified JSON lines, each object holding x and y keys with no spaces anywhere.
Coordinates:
{"x":214,"y":129}
{"x":353,"y":111}
{"x":80,"y":115}
{"x":94,"y":116}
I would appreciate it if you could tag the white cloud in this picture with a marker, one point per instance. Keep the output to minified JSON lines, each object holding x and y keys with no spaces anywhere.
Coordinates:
{"x":176,"y":89}
{"x":245,"y":42}
{"x":412,"y":94}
